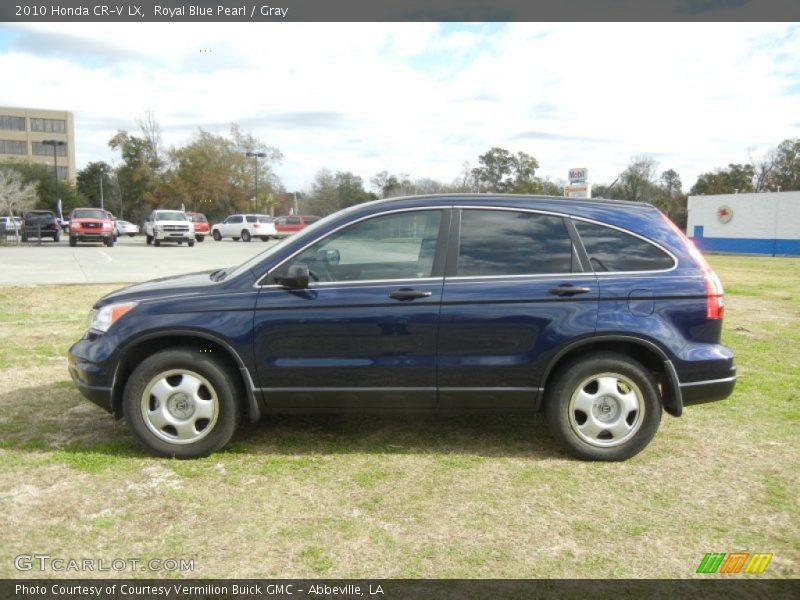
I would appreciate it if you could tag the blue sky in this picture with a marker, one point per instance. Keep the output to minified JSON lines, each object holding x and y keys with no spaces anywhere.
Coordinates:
{"x":424,"y":98}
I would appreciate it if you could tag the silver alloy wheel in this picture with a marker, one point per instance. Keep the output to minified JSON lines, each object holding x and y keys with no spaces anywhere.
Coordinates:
{"x":606,"y":410}
{"x":179,"y":406}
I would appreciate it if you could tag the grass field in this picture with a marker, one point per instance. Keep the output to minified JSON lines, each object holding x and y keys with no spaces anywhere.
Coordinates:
{"x":354,"y":496}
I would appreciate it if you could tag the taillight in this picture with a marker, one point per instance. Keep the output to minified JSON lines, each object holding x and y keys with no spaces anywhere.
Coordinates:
{"x":715,"y":304}
{"x":256,"y":225}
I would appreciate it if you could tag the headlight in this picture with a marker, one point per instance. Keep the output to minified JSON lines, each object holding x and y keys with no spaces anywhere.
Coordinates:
{"x":103,"y":318}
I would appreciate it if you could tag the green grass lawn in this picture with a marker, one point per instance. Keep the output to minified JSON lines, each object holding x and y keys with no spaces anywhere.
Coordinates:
{"x":357,"y":496}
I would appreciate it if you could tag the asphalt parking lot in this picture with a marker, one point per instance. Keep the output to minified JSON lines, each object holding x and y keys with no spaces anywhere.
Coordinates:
{"x":130,"y":260}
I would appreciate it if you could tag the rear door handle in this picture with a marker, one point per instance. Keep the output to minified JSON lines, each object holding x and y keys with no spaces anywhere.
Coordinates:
{"x":408,"y":294}
{"x":569,"y":290}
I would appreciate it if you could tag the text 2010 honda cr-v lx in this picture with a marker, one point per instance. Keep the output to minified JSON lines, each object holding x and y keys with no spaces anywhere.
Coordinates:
{"x":599,"y":312}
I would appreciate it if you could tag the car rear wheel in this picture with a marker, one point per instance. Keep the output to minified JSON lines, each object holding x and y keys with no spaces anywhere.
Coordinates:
{"x":73,"y":241}
{"x":199,"y":238}
{"x":110,"y":242}
{"x":216,"y":235}
{"x":245,"y":235}
{"x":264,"y":238}
{"x":149,"y":239}
{"x":156,"y":243}
{"x":604,"y":407}
{"x":56,"y":237}
{"x":182,"y":403}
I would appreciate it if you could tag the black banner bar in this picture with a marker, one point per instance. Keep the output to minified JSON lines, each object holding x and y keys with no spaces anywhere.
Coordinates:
{"x":398,"y":10}
{"x":393,"y":589}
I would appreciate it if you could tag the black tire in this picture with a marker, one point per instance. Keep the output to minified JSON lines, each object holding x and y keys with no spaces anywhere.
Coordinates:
{"x":218,"y":393}
{"x":56,"y":237}
{"x":620,"y":423}
{"x":216,"y":235}
{"x":131,"y":235}
{"x":245,"y":235}
{"x":191,"y":243}
{"x":264,"y":238}
{"x":156,"y":243}
{"x":110,"y":242}
{"x":148,"y":239}
{"x":235,"y":239}
{"x":73,"y":241}
{"x":200,"y":238}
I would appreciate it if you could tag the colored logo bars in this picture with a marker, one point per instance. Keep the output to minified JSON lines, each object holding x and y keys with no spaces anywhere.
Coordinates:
{"x":735,"y":562}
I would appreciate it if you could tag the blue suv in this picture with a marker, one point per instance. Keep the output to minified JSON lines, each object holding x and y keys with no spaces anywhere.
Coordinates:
{"x":599,"y":312}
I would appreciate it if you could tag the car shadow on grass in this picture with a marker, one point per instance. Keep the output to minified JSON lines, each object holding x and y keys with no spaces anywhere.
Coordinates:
{"x":56,"y":418}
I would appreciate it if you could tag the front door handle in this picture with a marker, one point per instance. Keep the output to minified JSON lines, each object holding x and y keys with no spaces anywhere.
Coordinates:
{"x":568,"y":289}
{"x":408,"y":294}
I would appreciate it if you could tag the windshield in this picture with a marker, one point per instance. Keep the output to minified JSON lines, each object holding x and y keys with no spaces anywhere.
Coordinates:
{"x":171,"y":215}
{"x":40,"y":217}
{"x":304,"y":234}
{"x":198,"y":218}
{"x":90,"y":214}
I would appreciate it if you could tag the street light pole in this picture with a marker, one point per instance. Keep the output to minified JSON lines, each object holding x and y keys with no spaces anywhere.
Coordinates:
{"x":102,"y":203}
{"x":55,"y":144}
{"x":256,"y":156}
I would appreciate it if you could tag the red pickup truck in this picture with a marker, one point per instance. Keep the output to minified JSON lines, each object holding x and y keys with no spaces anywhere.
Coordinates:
{"x":290,"y":224}
{"x":200,"y":225}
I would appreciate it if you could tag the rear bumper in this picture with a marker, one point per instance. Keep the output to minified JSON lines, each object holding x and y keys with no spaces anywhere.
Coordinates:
{"x":700,"y":392}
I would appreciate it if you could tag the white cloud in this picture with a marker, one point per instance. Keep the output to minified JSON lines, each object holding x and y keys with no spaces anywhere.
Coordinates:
{"x":422,"y":98}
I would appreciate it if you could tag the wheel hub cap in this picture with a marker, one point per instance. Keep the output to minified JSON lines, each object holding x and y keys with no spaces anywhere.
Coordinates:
{"x":180,"y":406}
{"x":606,"y":409}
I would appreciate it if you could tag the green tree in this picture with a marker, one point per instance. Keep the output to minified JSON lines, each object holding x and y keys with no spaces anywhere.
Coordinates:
{"x":786,"y":170}
{"x":500,"y":171}
{"x":212,"y":174}
{"x":331,"y":192}
{"x":88,"y":183}
{"x":735,"y":178}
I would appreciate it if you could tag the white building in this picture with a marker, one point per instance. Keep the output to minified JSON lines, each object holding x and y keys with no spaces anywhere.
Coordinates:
{"x":767,"y":223}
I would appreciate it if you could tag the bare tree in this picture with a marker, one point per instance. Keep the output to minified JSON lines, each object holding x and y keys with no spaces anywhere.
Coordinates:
{"x":15,"y":196}
{"x":151,"y":132}
{"x":762,"y":169}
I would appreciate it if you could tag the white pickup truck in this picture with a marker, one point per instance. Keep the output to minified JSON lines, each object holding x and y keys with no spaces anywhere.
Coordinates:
{"x":168,"y":226}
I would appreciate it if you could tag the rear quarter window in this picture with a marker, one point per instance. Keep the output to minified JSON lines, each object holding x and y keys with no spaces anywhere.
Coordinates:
{"x":614,"y":250}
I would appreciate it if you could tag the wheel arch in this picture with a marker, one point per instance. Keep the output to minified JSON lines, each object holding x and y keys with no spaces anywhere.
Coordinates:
{"x":649,"y":354}
{"x":149,"y":344}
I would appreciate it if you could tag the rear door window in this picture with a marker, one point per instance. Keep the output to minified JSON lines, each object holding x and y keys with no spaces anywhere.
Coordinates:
{"x":504,"y":242}
{"x":610,"y":249}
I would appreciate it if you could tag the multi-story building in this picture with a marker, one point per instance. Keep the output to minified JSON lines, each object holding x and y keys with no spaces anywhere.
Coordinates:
{"x":23,"y":131}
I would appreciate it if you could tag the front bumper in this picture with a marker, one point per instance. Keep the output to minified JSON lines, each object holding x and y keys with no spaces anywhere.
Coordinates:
{"x":173,"y":236}
{"x":93,"y":236}
{"x":92,"y":379}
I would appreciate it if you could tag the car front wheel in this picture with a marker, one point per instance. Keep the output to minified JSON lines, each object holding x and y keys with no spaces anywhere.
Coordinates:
{"x":181,"y":403}
{"x":216,"y":235}
{"x":604,"y":407}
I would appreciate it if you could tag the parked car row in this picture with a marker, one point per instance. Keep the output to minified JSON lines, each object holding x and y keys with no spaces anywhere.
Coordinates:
{"x":98,"y":225}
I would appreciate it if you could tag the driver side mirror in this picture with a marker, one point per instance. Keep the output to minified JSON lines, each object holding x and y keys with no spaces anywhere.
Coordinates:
{"x":296,"y":278}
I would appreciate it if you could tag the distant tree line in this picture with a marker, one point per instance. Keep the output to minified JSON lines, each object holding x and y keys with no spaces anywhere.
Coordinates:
{"x":213,"y":174}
